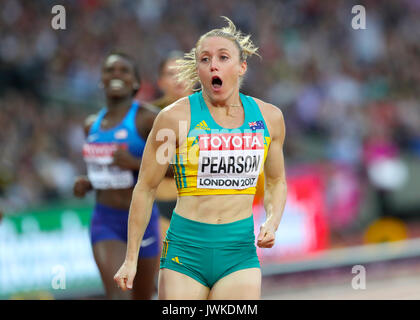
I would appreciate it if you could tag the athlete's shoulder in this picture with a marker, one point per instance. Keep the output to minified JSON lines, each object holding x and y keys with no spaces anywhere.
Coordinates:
{"x":179,"y":110}
{"x":173,"y":117}
{"x":268,"y":109}
{"x":273,"y":116}
{"x":179,"y":106}
{"x":89,"y":121}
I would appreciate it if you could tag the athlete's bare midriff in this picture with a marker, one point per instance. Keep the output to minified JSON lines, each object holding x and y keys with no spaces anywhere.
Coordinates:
{"x":115,"y":198}
{"x":215,"y":209}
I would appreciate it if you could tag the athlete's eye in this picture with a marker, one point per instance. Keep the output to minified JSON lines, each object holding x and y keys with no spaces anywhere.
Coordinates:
{"x":204,"y":59}
{"x":125,"y":70}
{"x":224,"y":57}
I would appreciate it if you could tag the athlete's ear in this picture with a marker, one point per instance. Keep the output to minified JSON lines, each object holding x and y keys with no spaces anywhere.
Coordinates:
{"x":243,"y":68}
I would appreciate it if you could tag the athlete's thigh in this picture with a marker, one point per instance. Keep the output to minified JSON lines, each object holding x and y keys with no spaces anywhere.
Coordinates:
{"x":109,"y":256}
{"x":163,"y":225}
{"x":174,"y":285}
{"x":243,"y":284}
{"x":145,"y":280}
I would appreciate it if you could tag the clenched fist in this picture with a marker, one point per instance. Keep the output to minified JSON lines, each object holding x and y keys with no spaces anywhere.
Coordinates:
{"x":81,"y":186}
{"x":125,"y":276}
{"x":267,"y":236}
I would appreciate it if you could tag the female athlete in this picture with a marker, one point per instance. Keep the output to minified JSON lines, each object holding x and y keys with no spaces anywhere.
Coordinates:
{"x":115,"y":142}
{"x":219,"y":140}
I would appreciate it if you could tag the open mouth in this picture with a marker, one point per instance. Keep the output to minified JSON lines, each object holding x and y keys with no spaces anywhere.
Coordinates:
{"x":216,"y":82}
{"x":116,"y":84}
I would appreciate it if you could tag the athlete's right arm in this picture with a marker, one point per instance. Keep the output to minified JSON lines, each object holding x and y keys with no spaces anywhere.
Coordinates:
{"x":160,"y":147}
{"x":82,"y":184}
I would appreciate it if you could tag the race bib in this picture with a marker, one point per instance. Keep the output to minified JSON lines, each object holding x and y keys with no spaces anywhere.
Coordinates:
{"x":230,"y":160}
{"x":101,"y":173}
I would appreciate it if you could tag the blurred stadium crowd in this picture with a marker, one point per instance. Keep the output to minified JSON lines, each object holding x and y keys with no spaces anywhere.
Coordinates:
{"x":350,"y":97}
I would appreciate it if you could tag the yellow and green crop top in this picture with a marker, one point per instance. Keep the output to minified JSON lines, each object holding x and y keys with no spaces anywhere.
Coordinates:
{"x":216,"y":160}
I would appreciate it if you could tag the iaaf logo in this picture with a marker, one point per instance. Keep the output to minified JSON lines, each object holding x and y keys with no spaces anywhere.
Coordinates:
{"x":231,"y":141}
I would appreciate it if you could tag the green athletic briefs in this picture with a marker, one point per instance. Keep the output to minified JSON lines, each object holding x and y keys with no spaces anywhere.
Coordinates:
{"x":208,"y":252}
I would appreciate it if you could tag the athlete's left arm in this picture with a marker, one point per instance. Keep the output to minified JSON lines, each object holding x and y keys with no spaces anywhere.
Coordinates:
{"x":275,"y":178}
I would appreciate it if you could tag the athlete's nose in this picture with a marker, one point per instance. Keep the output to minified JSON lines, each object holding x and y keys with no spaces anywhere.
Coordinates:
{"x":214,"y":66}
{"x":117,"y":73}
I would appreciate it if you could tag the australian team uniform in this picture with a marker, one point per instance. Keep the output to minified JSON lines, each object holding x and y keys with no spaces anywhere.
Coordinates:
{"x":109,"y":223}
{"x":215,"y":160}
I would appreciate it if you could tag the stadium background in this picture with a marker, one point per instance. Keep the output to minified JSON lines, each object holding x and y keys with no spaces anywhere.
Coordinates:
{"x":350,"y":99}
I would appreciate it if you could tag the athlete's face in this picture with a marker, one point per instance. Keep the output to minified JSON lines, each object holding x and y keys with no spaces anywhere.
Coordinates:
{"x":219,"y":67}
{"x":118,"y":77}
{"x":167,"y":82}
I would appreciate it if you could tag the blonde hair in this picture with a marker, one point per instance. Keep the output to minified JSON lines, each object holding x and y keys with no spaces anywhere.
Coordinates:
{"x":187,"y":67}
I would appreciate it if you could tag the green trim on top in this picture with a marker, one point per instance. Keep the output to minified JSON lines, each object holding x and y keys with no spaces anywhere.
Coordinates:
{"x":178,"y":174}
{"x":195,"y":110}
{"x":184,"y":179}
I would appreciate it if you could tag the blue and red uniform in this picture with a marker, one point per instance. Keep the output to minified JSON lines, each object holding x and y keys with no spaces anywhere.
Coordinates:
{"x":109,"y":223}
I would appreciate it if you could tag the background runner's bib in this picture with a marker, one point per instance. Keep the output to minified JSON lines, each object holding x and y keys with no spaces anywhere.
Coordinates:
{"x":216,"y":160}
{"x":100,"y":146}
{"x":101,"y":173}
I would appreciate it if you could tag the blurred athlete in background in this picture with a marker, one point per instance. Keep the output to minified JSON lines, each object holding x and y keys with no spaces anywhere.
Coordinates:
{"x":166,"y":193}
{"x":115,"y":140}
